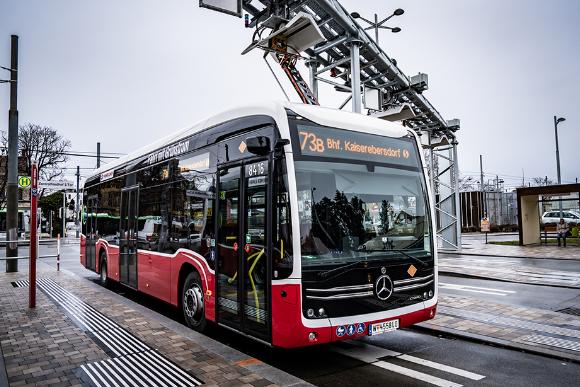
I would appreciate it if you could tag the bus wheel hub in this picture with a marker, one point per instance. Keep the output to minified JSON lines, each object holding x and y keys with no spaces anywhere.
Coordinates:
{"x":193,"y":303}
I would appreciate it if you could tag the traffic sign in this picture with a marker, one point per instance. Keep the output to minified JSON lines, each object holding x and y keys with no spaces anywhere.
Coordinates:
{"x":24,"y":181}
{"x":56,"y":184}
{"x":485,"y":225}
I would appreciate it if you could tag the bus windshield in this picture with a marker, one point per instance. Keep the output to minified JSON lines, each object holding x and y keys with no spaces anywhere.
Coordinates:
{"x":366,"y":203}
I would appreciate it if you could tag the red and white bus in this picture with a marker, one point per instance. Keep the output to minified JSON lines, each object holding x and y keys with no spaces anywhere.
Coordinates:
{"x":289,"y":223}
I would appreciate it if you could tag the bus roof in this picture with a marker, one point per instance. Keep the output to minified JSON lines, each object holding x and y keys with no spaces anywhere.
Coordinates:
{"x":277,"y":110}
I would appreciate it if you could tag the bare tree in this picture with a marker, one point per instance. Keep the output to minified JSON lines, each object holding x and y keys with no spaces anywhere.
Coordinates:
{"x":540,"y":181}
{"x":42,"y":144}
{"x":467,"y":183}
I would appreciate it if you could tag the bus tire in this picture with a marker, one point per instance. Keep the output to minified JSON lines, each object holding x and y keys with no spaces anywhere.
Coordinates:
{"x":192,"y":302}
{"x":103,"y":273}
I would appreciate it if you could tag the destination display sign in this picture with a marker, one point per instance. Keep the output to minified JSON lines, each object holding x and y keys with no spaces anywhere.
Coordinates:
{"x":345,"y":144}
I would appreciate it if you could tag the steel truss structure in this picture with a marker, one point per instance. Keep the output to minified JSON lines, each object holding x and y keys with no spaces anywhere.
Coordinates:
{"x":354,"y":61}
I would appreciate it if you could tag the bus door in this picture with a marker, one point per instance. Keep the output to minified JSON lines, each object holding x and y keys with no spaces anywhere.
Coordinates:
{"x":243,"y":287}
{"x":128,"y":237}
{"x":91,"y":233}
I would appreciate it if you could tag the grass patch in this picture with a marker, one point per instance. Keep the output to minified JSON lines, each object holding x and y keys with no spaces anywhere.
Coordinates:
{"x":551,"y":241}
{"x":505,"y":243}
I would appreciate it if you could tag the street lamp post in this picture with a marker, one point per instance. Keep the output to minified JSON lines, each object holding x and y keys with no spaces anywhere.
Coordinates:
{"x":376,"y":24}
{"x":556,"y":122}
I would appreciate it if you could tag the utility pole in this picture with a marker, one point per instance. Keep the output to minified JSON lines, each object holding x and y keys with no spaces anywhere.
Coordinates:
{"x":77,"y":202}
{"x":63,"y":213}
{"x":98,"y":155}
{"x":556,"y":122}
{"x":481,"y":172}
{"x":12,"y":183}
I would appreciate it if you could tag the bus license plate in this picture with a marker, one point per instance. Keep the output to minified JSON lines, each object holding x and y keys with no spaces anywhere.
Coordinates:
{"x":382,"y":327}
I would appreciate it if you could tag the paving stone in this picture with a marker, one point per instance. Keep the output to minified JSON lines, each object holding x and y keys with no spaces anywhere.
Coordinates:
{"x":46,"y":347}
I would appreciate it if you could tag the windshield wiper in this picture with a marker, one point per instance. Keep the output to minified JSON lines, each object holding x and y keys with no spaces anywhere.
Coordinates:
{"x":342,"y":269}
{"x":402,"y":252}
{"x":410,"y":256}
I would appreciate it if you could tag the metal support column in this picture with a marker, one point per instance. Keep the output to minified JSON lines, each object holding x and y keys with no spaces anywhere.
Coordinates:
{"x":312,"y":65}
{"x":456,"y":189}
{"x":355,"y":75}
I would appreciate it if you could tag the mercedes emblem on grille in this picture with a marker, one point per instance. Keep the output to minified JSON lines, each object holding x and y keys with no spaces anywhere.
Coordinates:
{"x":383,"y":287}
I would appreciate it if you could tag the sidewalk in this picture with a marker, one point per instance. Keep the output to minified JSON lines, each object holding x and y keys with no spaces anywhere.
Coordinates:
{"x":507,"y":271}
{"x":476,"y":247}
{"x":82,"y":334}
{"x":532,"y":330}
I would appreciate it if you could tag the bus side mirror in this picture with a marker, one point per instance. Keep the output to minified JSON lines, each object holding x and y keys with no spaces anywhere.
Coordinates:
{"x":259,"y":145}
{"x":280,"y":143}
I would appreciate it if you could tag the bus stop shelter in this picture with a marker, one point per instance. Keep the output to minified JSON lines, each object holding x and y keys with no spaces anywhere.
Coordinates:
{"x":529,"y":209}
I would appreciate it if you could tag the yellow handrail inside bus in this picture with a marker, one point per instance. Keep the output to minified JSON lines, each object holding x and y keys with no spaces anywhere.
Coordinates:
{"x":258,"y":255}
{"x":253,"y":285}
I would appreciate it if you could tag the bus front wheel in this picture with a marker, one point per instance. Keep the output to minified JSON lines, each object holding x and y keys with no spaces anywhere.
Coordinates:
{"x":192,"y":302}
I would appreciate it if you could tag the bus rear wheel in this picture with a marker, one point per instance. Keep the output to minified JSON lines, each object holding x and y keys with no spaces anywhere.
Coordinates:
{"x":192,"y":302}
{"x":104,"y":274}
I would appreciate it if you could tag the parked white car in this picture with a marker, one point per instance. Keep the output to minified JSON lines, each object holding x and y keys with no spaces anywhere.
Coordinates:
{"x":554,"y":216}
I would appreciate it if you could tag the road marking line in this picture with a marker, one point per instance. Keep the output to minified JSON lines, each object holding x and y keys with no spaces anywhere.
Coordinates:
{"x":367,"y":353}
{"x":371,"y":354}
{"x":477,"y":287}
{"x":473,"y":291}
{"x":416,"y":374}
{"x":442,"y":367}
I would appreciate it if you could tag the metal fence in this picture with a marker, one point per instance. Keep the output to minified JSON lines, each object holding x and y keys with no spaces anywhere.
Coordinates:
{"x":501,"y":208}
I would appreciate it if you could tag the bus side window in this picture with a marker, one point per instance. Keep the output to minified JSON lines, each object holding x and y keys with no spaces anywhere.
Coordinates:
{"x":193,"y":203}
{"x":109,"y":215}
{"x":282,"y":261}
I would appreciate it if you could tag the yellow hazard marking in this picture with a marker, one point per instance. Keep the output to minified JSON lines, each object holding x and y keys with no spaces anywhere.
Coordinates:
{"x":412,"y":270}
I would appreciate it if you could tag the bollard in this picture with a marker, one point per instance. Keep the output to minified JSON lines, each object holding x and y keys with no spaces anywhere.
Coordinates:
{"x":58,"y":252}
{"x":33,"y":237}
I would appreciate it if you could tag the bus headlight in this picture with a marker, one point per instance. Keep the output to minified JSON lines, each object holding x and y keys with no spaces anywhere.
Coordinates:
{"x":430,"y":293}
{"x":310,"y":313}
{"x":312,"y":336}
{"x":321,"y":312}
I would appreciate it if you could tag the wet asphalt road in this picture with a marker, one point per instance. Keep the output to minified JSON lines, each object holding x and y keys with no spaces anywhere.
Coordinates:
{"x":405,"y":357}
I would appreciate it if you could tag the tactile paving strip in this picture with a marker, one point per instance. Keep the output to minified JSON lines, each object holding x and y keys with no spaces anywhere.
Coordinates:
{"x":552,"y":342}
{"x":484,"y":317}
{"x":135,"y":364}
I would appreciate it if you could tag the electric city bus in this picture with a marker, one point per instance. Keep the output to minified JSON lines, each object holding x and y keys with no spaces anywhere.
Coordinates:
{"x":291,"y":224}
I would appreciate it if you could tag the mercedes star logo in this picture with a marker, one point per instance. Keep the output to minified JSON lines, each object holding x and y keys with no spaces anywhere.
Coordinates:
{"x":383,"y":287}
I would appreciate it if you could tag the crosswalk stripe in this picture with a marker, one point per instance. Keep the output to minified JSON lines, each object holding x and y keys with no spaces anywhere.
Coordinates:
{"x":442,"y":367}
{"x":416,"y":374}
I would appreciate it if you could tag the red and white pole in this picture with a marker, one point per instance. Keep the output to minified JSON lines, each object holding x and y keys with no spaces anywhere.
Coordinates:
{"x":58,"y":252}
{"x":33,"y":237}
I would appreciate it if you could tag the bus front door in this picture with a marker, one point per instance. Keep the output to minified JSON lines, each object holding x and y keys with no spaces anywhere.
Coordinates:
{"x":128,"y":237}
{"x":243,"y":287}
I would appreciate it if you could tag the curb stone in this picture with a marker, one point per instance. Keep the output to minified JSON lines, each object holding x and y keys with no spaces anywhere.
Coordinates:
{"x":463,"y":275}
{"x":426,"y":327}
{"x":506,"y":256}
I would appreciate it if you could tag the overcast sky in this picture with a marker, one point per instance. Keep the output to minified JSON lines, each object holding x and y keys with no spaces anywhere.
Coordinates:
{"x":127,"y":72}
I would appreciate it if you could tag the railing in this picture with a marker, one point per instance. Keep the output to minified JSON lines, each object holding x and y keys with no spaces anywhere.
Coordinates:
{"x":25,"y":242}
